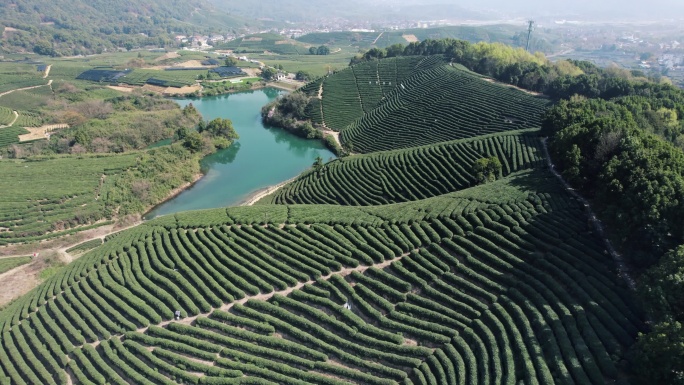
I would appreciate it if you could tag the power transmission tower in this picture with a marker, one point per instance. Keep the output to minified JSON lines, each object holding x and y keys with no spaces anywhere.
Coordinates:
{"x":529,"y":34}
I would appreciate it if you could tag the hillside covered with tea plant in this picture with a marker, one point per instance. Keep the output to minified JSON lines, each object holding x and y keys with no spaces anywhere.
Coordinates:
{"x":451,"y":251}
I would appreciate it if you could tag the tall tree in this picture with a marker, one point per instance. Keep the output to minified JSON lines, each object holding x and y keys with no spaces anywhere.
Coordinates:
{"x":269,"y":73}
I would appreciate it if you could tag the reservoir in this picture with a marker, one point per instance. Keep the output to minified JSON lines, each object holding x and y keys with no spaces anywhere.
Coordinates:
{"x":262,"y":157}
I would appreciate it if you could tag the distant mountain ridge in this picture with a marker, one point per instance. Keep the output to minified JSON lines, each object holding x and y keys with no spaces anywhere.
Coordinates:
{"x":66,"y":27}
{"x":301,"y":10}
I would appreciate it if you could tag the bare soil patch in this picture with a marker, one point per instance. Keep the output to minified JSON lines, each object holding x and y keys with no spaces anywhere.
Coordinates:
{"x":185,"y":64}
{"x":19,"y":281}
{"x":42,"y":132}
{"x":189,"y":64}
{"x":150,"y":87}
{"x":252,"y":39}
{"x":512,"y":86}
{"x":181,"y":90}
{"x":6,"y":30}
{"x":334,"y":134}
{"x":122,"y":88}
{"x":410,"y":38}
{"x":252,"y":72}
{"x":168,"y":55}
{"x":265,"y":192}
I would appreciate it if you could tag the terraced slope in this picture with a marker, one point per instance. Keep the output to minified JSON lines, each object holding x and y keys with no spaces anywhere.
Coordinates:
{"x":412,"y":174}
{"x":441,"y":104}
{"x":266,"y":42}
{"x":414,"y":101}
{"x":29,"y":212}
{"x":29,"y":119}
{"x":348,"y":94}
{"x":10,"y":135}
{"x":495,"y":284}
{"x":6,"y":116}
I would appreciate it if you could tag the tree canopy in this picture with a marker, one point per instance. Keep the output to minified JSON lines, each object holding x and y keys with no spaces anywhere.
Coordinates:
{"x":75,"y":27}
{"x":221,"y":128}
{"x":487,"y":169}
{"x":321,"y":50}
{"x":269,"y":73}
{"x":230,"y":62}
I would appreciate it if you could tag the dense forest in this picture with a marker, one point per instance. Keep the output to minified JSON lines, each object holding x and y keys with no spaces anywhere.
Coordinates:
{"x":84,"y":27}
{"x":625,"y":154}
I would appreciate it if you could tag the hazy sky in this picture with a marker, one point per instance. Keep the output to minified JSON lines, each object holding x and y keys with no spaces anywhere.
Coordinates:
{"x":610,"y":9}
{"x":582,"y":10}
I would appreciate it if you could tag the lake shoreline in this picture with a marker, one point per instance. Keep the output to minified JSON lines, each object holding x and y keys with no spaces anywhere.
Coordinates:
{"x":256,"y":87}
{"x":174,"y":193}
{"x":264,"y":192}
{"x":236,"y":176}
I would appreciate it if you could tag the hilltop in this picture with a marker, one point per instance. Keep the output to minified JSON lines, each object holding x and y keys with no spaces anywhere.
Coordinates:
{"x":405,"y":102}
{"x":543,"y":41}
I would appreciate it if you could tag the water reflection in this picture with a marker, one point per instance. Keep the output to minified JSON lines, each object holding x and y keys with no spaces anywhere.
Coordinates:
{"x":225,"y":156}
{"x":272,"y":93}
{"x":260,"y":158}
{"x":297,"y":146}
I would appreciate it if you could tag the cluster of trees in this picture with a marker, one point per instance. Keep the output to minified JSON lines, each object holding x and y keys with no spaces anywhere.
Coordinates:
{"x":76,"y":27}
{"x":114,"y":125}
{"x":134,"y":122}
{"x":158,"y":172}
{"x":487,"y":169}
{"x":662,"y":287}
{"x":636,"y":177}
{"x":322,"y":50}
{"x":289,"y":111}
{"x":209,"y":136}
{"x":126,"y":124}
{"x":269,"y":73}
{"x":56,"y":40}
{"x":163,"y":169}
{"x":622,"y":147}
{"x":218,"y":88}
{"x":303,"y":76}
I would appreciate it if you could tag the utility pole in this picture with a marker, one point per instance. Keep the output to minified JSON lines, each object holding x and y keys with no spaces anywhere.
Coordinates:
{"x":529,"y":34}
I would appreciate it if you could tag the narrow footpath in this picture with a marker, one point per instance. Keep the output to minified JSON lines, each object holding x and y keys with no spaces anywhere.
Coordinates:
{"x":266,"y":296}
{"x":49,"y":83}
{"x":623,"y":270}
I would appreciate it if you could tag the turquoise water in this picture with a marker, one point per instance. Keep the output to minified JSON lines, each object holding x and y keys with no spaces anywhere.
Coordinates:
{"x":262,"y":156}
